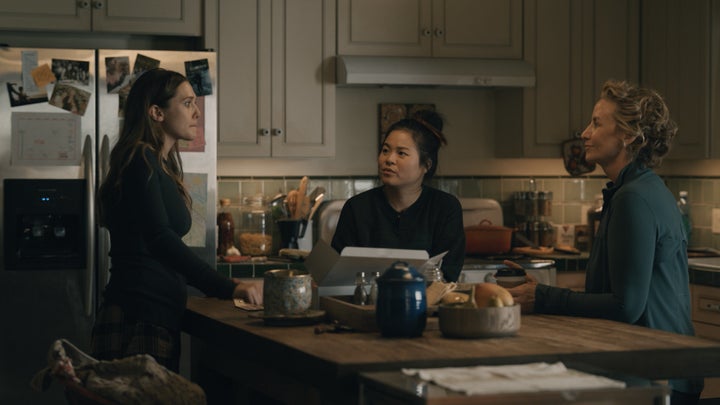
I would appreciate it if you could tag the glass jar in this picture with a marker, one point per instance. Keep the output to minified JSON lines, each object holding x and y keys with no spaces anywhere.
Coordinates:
{"x":433,"y":274}
{"x":226,"y":227}
{"x":255,"y":227}
{"x":545,"y":203}
{"x":547,"y":234}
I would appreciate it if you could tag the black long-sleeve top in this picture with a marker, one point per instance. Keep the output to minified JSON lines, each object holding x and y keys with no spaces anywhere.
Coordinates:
{"x":433,"y":223}
{"x":150,"y":262}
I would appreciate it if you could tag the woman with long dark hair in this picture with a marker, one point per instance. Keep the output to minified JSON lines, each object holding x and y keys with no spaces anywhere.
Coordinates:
{"x":146,"y":208}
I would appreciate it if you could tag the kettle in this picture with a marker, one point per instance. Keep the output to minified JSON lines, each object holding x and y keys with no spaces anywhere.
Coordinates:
{"x":401,"y":308}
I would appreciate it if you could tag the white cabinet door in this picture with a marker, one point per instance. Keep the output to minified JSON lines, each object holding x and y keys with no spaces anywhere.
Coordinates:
{"x":243,"y":78}
{"x":575,"y":46}
{"x":276,"y":69}
{"x":477,"y":28}
{"x":442,"y":28}
{"x":157,"y":17}
{"x":676,"y":62}
{"x":385,"y":28}
{"x":58,"y":15}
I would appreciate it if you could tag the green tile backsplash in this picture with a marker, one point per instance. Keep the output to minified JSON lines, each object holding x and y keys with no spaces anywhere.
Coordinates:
{"x":572,"y":197}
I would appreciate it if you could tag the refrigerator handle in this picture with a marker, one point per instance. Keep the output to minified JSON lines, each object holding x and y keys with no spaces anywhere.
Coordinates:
{"x":103,"y":237}
{"x":90,"y":226}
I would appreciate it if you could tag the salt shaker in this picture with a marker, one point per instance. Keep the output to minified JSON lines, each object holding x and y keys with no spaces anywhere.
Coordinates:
{"x":372,"y":298}
{"x":360,"y":297}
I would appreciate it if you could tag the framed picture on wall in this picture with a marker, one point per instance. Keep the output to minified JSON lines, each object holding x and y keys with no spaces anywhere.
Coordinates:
{"x":390,"y":113}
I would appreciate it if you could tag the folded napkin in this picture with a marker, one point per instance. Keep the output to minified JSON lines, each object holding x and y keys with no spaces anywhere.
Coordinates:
{"x":531,"y":377}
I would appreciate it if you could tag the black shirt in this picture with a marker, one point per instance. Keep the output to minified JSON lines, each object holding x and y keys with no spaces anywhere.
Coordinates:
{"x":433,"y":223}
{"x":150,"y":262}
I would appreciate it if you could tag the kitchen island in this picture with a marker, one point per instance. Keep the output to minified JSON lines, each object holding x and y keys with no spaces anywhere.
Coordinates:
{"x":295,"y":364}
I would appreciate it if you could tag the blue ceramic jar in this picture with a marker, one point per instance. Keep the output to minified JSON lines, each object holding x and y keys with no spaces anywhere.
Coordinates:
{"x":401,"y":309}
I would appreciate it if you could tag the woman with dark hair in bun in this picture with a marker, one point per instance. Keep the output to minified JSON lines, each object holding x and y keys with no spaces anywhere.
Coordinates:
{"x":404,"y":212}
{"x":637,"y":271}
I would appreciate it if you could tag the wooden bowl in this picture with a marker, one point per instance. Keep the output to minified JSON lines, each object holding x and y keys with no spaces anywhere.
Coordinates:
{"x":468,"y":322}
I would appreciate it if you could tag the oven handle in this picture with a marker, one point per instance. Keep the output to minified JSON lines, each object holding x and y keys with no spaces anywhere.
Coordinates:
{"x":90,"y":226}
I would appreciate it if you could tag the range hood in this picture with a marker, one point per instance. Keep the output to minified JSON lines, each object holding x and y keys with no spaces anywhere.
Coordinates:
{"x":406,"y":71}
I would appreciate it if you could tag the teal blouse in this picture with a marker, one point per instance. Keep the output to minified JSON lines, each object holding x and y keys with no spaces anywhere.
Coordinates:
{"x":637,"y":271}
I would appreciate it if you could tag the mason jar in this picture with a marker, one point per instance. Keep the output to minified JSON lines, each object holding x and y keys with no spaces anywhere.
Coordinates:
{"x":254,"y":227}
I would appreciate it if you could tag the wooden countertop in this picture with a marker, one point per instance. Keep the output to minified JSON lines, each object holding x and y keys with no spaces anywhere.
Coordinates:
{"x":298,"y":350}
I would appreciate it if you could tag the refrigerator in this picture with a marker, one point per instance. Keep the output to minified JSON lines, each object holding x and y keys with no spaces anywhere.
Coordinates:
{"x":60,"y":115}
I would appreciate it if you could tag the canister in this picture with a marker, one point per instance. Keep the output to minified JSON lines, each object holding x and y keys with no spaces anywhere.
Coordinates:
{"x":401,"y":309}
{"x":254,"y":227}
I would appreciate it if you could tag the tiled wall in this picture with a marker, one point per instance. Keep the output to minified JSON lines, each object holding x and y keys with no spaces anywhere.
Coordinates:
{"x":572,"y":197}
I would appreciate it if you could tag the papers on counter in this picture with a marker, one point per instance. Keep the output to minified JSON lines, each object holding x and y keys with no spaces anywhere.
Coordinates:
{"x":329,"y":268}
{"x":516,"y":378}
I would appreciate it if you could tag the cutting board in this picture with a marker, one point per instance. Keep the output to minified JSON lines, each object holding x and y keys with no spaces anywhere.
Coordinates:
{"x":359,"y":317}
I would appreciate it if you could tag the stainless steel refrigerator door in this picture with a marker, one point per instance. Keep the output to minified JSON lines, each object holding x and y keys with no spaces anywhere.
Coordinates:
{"x":41,"y":306}
{"x":200,"y":166}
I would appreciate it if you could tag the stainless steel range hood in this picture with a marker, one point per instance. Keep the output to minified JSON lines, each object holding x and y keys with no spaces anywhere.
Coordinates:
{"x":402,"y":71}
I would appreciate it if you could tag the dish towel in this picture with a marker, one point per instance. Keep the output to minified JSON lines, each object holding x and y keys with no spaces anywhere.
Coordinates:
{"x":531,"y":377}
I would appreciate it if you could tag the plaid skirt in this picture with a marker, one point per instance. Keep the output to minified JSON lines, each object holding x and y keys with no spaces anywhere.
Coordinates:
{"x":114,"y":337}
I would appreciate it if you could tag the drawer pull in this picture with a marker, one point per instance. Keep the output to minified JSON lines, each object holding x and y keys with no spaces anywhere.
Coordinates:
{"x":712,"y":307}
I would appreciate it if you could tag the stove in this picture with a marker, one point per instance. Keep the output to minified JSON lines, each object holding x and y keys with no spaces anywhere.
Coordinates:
{"x":479,"y":270}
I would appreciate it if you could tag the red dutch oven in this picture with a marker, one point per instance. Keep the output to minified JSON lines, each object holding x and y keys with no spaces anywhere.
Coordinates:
{"x":487,"y":239}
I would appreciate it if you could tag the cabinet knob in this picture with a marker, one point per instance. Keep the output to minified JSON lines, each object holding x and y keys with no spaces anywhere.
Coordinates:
{"x":277,"y":131}
{"x":264,"y":132}
{"x":439,"y":32}
{"x":98,"y":5}
{"x":83,"y":4}
{"x":426,"y":32}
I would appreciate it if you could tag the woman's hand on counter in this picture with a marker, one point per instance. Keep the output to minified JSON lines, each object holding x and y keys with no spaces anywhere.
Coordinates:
{"x":524,"y":294}
{"x":248,"y":291}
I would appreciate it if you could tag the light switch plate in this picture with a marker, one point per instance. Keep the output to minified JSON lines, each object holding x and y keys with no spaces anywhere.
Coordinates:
{"x":716,"y":220}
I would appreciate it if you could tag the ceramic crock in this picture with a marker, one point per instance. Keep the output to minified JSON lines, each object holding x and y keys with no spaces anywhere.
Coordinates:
{"x":401,"y":309}
{"x":286,"y":292}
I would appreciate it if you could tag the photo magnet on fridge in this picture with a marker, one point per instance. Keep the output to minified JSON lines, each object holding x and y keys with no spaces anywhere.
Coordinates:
{"x":71,"y":71}
{"x":18,"y":96}
{"x":70,"y":98}
{"x":117,"y":70}
{"x":198,"y":73}
{"x":143,"y":64}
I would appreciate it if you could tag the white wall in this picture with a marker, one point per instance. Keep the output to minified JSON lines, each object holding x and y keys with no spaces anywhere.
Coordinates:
{"x":470,"y":130}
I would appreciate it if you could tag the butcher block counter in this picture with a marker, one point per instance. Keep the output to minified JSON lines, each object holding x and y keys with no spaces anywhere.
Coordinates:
{"x":296,"y":363}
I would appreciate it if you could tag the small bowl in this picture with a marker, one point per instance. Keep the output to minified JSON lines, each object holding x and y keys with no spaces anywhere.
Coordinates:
{"x":467,"y":322}
{"x":510,"y":277}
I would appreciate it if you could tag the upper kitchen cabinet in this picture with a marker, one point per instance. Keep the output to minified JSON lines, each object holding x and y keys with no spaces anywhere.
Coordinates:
{"x":439,"y":28}
{"x":575,"y":46}
{"x":157,"y":17}
{"x":680,"y":55}
{"x":276,"y":73}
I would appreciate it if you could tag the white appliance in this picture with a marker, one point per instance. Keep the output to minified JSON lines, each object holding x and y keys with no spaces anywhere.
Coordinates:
{"x":474,"y":211}
{"x":40,"y":306}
